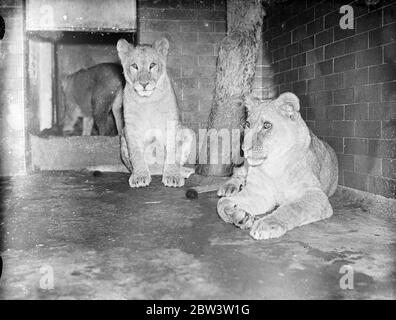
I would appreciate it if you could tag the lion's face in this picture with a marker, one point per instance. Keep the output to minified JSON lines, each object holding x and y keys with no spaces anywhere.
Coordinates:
{"x":143,"y":65}
{"x":272,"y":129}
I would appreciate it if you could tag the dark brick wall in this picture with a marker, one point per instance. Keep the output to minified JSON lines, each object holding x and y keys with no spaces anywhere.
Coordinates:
{"x":12,"y":142}
{"x":345,"y":80}
{"x":194,"y":29}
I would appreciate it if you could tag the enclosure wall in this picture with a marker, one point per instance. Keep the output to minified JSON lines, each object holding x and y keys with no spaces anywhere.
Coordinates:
{"x":345,"y":80}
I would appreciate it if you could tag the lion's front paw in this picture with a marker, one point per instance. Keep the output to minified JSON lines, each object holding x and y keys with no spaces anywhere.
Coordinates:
{"x":138,"y":180}
{"x":173,"y":179}
{"x":228,"y":189}
{"x":243,"y":219}
{"x":267,"y":228}
{"x":229,"y":212}
{"x":225,"y":208}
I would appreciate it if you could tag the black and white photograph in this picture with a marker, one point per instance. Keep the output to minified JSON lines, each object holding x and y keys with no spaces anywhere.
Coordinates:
{"x":212,"y":151}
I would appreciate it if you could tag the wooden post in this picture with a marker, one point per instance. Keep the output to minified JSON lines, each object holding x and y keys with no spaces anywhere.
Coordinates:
{"x":55,"y":86}
{"x":236,"y":64}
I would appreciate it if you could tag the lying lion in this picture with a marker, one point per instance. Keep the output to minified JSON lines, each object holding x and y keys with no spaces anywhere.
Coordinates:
{"x":287,"y":170}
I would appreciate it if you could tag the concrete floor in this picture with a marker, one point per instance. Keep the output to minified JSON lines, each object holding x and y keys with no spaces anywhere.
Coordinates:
{"x":105,"y":240}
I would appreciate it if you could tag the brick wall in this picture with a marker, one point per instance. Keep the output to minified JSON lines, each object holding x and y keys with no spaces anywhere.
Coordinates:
{"x":345,"y":80}
{"x":263,"y":85}
{"x":12,"y":142}
{"x":194,"y":29}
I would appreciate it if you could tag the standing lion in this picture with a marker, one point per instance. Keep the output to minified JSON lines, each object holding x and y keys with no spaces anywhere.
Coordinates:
{"x":95,"y":95}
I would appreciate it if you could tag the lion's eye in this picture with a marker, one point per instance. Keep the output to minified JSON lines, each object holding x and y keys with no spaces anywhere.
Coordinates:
{"x":152,"y":65}
{"x":134,"y":66}
{"x":267,"y":125}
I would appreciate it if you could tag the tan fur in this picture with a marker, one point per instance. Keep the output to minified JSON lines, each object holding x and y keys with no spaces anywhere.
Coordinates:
{"x":287,"y":169}
{"x":150,"y":106}
{"x":93,"y":94}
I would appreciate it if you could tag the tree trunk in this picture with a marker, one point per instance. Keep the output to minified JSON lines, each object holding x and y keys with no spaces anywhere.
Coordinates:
{"x":236,"y":64}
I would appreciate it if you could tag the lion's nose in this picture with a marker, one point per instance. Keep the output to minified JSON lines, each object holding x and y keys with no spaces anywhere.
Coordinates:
{"x":144,"y":85}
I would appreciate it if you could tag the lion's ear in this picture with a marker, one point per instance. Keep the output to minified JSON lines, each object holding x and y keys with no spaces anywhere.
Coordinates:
{"x":123,"y":47}
{"x":162,"y":46}
{"x":289,"y":103}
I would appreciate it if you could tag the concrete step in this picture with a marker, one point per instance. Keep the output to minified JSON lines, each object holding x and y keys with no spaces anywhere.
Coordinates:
{"x":79,"y":153}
